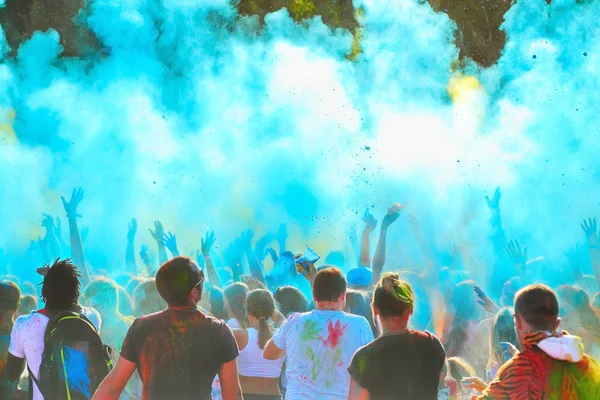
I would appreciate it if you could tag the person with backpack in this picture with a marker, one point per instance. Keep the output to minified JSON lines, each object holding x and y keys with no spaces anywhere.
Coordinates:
{"x":60,"y":344}
{"x":177,"y":351}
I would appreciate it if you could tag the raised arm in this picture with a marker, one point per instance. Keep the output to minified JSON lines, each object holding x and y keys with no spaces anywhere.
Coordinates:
{"x":282,"y":238}
{"x":253,"y":263}
{"x":77,"y":253}
{"x":233,"y":255}
{"x":43,"y":245}
{"x":130,"y":251}
{"x":354,"y":249}
{"x":51,"y":238}
{"x":498,"y":236}
{"x":590,"y":229}
{"x":370,"y":225}
{"x":574,"y":256}
{"x":517,"y":256}
{"x":306,"y":269}
{"x":158,"y":236}
{"x":150,"y":272}
{"x":207,"y":243}
{"x":379,"y":256}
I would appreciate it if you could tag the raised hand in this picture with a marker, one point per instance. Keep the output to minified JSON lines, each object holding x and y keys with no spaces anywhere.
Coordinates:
{"x":485,"y":301}
{"x":170,"y":242}
{"x":158,"y":233}
{"x":208,"y":242}
{"x":370,"y":221}
{"x":48,"y":223}
{"x":391,"y":216}
{"x":305,"y":268}
{"x":71,"y":206}
{"x":494,"y":202}
{"x":132,"y":229}
{"x":245,"y":240}
{"x":517,"y":255}
{"x":590,"y":228}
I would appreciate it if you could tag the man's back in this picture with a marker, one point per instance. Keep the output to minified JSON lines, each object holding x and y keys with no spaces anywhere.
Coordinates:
{"x":319,"y":347}
{"x":538,"y":374}
{"x":178,"y":353}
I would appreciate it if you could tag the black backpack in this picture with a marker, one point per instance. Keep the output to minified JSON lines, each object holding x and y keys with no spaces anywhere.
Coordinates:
{"x":75,"y":361}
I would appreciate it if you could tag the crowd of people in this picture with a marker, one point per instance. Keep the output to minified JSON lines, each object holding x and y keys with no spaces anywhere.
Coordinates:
{"x":219,"y":326}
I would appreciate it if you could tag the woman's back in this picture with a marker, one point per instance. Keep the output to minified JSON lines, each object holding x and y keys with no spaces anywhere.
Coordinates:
{"x":251,"y":362}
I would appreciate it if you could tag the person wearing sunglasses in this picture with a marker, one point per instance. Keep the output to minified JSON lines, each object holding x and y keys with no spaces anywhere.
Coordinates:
{"x":178,"y":351}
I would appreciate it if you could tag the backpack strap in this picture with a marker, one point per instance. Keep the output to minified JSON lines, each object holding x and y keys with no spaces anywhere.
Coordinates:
{"x":37,"y":382}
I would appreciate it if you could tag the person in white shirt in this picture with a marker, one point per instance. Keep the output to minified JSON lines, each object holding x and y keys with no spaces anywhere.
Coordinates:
{"x":60,"y":292}
{"x":319,"y":345}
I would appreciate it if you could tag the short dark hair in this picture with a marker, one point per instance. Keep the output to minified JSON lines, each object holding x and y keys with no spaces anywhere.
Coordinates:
{"x":538,"y":306}
{"x":393,"y":297}
{"x":61,"y":286}
{"x":10,"y":296}
{"x":329,"y":284}
{"x":176,"y":278}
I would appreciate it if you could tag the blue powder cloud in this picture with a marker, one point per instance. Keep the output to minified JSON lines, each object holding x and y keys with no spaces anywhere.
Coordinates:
{"x":196,"y":117}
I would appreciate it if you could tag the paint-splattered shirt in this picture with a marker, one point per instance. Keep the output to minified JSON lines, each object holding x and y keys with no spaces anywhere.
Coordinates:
{"x":399,"y":366}
{"x":178,"y":353}
{"x":535,"y":375}
{"x":319,"y":347}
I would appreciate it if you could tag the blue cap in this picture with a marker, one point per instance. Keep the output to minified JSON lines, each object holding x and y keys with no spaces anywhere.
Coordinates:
{"x":361,"y":276}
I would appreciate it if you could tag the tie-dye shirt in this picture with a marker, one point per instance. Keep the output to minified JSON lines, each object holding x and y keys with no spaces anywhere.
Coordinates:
{"x":319,"y":346}
{"x":534,"y":374}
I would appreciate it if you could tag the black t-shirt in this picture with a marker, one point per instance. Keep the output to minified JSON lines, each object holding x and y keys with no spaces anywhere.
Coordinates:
{"x":178,"y":353}
{"x":400,"y":366}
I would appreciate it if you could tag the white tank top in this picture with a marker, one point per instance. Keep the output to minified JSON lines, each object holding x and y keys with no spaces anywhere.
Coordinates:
{"x":251,"y":362}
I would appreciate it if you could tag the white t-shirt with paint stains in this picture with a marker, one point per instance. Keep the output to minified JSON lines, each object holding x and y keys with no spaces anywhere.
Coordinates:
{"x":319,"y":346}
{"x":27,"y":339}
